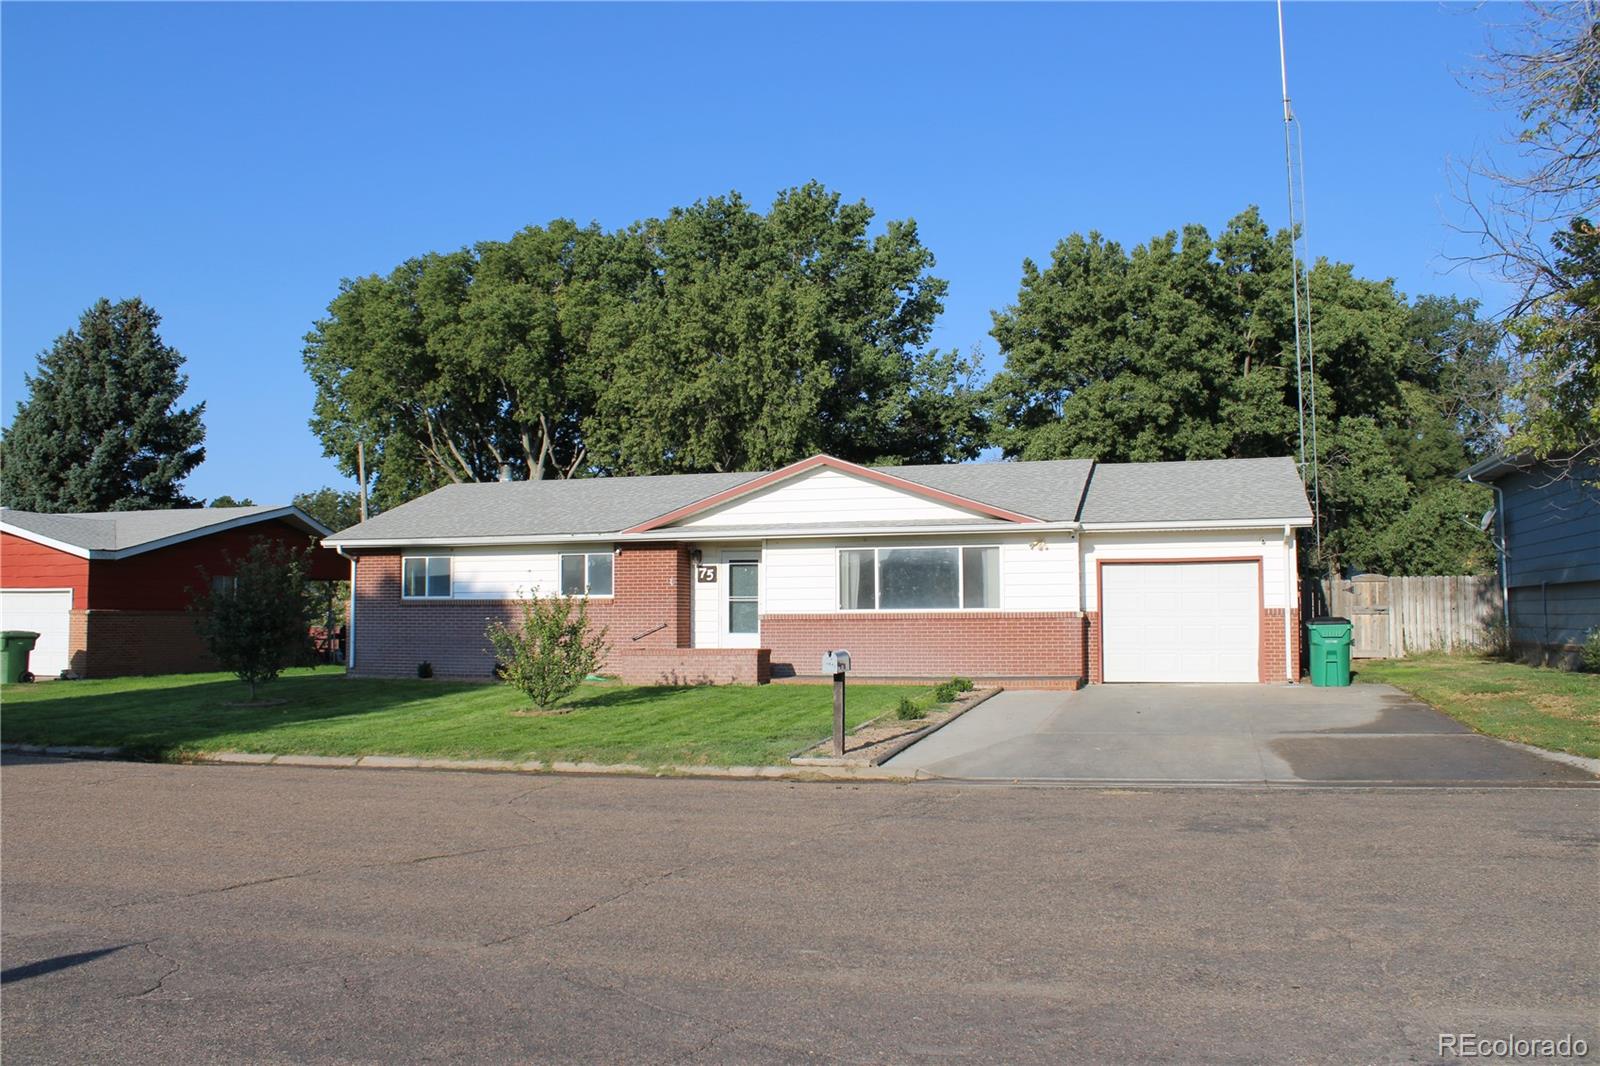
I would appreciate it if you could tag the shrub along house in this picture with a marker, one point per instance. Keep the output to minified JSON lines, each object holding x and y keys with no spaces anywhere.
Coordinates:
{"x":1048,"y":573}
{"x":108,"y":592}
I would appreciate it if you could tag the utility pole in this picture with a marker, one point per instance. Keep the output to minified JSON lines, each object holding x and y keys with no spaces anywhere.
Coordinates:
{"x":361,"y":474}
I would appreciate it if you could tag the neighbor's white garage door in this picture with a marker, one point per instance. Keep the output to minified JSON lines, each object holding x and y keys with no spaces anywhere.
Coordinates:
{"x":49,"y":614}
{"x":1180,"y":621}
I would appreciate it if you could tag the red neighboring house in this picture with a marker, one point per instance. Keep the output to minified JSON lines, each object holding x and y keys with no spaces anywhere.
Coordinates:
{"x":108,"y":592}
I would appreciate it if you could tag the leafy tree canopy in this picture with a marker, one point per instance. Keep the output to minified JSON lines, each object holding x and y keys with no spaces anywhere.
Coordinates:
{"x":335,"y":509}
{"x":101,"y":429}
{"x":229,"y":501}
{"x":717,"y":338}
{"x":1183,"y":348}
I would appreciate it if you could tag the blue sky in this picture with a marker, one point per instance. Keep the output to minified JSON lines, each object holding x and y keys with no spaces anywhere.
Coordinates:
{"x":231,"y":163}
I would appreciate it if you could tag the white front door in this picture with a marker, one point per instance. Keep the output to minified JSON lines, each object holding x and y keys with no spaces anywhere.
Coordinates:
{"x":1180,"y":621}
{"x":741,"y":600}
{"x":47,"y":612}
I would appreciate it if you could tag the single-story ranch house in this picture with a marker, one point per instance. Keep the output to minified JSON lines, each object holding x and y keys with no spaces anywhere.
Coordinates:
{"x":1047,"y":573}
{"x":108,"y":592}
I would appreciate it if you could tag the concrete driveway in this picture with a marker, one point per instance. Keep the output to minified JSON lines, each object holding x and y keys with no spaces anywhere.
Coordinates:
{"x":1247,"y":734}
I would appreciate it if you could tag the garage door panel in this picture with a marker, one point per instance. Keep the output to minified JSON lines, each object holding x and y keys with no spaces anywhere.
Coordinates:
{"x":1179,"y":622}
{"x":47,"y":613}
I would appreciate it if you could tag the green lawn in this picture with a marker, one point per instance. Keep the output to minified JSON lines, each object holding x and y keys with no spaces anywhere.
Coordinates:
{"x":1553,"y":709}
{"x":325,"y":713}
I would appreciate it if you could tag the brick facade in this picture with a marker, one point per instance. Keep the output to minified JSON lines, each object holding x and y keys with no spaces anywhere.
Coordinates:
{"x":649,"y":613}
{"x":1273,"y":667}
{"x":121,"y":643}
{"x":650,"y":629}
{"x":990,"y":644}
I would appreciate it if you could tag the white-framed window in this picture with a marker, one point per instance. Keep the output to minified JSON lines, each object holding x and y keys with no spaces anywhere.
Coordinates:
{"x":224,"y":585}
{"x":586,"y":574}
{"x":919,"y":579}
{"x":425,"y":577}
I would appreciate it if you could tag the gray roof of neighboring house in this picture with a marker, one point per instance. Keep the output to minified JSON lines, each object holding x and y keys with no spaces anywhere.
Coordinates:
{"x":1053,"y":491}
{"x":1207,"y":490}
{"x":127,"y":532}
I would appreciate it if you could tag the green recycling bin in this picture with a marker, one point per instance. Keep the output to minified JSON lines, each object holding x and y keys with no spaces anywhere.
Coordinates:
{"x":1330,"y":651}
{"x":15,"y":644}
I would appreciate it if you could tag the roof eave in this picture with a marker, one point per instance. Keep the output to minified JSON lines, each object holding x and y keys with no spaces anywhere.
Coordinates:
{"x":315,"y":528}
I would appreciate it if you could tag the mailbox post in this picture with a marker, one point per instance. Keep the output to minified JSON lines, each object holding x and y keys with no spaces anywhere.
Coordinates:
{"x":837,"y":663}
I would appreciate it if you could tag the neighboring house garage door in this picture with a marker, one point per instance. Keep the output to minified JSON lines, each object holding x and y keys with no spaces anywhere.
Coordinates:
{"x":1180,"y":621}
{"x":47,"y":613}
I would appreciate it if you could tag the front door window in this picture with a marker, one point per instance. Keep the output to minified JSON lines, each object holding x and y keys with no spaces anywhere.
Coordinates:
{"x":744,"y":598}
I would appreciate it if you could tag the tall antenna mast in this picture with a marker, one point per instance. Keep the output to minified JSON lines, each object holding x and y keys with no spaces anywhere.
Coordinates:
{"x":1305,"y":366}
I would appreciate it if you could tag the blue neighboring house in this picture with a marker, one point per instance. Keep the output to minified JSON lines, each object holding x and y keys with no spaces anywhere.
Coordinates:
{"x":1547,"y":521}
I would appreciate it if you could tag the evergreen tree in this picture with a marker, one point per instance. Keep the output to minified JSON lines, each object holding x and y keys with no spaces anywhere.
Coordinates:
{"x":101,"y":429}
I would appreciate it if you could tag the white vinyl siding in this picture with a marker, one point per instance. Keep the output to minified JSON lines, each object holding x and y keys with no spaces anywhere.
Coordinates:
{"x":499,"y":574}
{"x":1038,"y":572}
{"x":822,"y":495}
{"x":1268,"y":545}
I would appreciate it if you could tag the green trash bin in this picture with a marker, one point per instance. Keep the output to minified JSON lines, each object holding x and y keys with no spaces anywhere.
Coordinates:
{"x":1330,"y":651}
{"x":15,"y":644}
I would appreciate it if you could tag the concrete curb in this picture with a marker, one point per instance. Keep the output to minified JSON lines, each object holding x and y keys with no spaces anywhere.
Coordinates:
{"x":503,"y":766}
{"x":1582,"y":762}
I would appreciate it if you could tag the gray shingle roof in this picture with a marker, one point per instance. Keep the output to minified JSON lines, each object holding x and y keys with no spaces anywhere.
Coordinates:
{"x":127,"y":531}
{"x":542,"y":508}
{"x":1053,"y":491}
{"x":1208,"y":490}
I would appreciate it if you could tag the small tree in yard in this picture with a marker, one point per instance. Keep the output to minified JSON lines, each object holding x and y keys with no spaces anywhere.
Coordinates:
{"x":549,"y":649}
{"x":257,"y":622}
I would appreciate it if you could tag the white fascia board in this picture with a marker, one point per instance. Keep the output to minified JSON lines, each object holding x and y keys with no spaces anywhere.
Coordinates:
{"x":707,"y":534}
{"x":50,"y":542}
{"x":1157,"y":527}
{"x":317,"y":529}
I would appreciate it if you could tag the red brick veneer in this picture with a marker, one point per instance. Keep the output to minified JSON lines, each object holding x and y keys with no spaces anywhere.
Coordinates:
{"x":1273,"y":668}
{"x":120,"y":643}
{"x":930,"y":644}
{"x":649,"y":613}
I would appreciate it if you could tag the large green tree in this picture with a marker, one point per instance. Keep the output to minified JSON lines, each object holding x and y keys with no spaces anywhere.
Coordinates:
{"x":756,"y":339}
{"x":716,"y":338}
{"x":1183,"y":348}
{"x":101,"y":429}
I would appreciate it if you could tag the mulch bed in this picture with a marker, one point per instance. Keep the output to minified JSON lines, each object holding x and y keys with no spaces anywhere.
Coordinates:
{"x":872,"y":740}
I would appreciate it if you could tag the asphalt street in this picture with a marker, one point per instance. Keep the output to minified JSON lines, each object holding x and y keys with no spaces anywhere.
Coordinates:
{"x":222,"y":914}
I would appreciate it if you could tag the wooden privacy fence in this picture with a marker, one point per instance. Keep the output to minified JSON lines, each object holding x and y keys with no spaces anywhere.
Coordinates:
{"x":1392,"y":616}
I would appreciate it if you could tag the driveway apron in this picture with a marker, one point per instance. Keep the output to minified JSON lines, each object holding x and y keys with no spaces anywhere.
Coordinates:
{"x":1242,"y":734}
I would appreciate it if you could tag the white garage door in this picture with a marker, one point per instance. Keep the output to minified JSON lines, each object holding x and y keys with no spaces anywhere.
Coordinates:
{"x":1180,"y":621}
{"x":49,"y":614}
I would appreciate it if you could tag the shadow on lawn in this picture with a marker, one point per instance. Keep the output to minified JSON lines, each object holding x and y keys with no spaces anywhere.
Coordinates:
{"x":160,"y":721}
{"x":164,"y":720}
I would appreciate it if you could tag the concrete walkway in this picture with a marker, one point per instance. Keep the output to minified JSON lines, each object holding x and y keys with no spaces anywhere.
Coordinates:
{"x":1245,"y":734}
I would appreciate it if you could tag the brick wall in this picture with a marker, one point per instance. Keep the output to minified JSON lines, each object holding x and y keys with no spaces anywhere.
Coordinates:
{"x":933,"y":644}
{"x":1091,"y":641}
{"x":649,"y":611}
{"x":119,"y":643}
{"x":1273,"y":668}
{"x":693,"y":666}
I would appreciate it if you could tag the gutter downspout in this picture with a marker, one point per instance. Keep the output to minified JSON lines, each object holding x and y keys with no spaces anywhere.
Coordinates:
{"x":350,"y":624}
{"x":1503,"y":547}
{"x":1289,"y":561}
